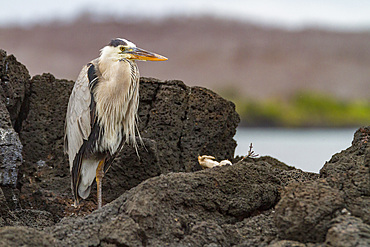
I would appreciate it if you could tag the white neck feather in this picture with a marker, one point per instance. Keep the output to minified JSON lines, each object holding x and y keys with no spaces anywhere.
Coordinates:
{"x":117,"y":99}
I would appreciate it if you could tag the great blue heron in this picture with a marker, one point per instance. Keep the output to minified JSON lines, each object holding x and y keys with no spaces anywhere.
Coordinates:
{"x":102,"y":114}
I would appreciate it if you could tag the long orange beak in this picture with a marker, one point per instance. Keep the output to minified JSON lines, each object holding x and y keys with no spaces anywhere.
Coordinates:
{"x":140,"y":54}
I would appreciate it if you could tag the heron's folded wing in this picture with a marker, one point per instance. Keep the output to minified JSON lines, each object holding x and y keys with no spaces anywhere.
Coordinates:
{"x":78,"y":118}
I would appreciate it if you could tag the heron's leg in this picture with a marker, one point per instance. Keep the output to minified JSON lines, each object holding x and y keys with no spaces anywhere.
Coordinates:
{"x":99,"y":178}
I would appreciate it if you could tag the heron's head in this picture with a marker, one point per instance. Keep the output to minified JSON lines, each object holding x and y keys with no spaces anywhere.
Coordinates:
{"x":119,"y":49}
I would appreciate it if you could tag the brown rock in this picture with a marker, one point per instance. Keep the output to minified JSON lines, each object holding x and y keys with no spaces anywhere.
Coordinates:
{"x":287,"y":243}
{"x":25,"y":236}
{"x":306,"y":209}
{"x":15,"y":84}
{"x":348,"y":231}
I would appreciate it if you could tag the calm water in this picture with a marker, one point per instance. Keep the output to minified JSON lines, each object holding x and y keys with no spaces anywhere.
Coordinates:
{"x":305,"y":149}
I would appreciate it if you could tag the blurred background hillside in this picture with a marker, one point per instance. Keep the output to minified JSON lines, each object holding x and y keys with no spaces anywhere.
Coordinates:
{"x":284,"y":63}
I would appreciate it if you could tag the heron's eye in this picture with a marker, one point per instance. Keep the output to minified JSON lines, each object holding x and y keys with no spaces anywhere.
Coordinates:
{"x":122,"y":48}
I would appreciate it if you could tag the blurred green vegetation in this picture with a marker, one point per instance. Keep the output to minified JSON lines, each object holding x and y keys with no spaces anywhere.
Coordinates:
{"x":305,"y":109}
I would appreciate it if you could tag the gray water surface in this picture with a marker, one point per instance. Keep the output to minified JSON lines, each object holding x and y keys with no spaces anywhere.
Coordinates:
{"x":306,"y":149}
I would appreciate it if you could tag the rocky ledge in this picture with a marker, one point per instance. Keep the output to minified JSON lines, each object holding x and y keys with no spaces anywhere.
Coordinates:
{"x":164,"y":198}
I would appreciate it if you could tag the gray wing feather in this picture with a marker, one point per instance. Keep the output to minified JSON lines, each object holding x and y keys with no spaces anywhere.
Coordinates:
{"x":77,"y":124}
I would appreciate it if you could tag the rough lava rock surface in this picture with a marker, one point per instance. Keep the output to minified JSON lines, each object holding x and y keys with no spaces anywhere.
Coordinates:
{"x":306,"y":209}
{"x":14,"y":79}
{"x":349,"y":172}
{"x":164,"y":198}
{"x":215,"y":206}
{"x":346,"y":231}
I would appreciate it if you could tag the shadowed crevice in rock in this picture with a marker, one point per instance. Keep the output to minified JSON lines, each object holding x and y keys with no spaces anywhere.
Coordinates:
{"x":23,"y":112}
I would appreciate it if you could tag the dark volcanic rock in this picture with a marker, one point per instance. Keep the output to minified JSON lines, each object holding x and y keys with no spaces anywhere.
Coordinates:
{"x":10,"y":150}
{"x":98,"y":229}
{"x":25,"y":236}
{"x":348,"y":231}
{"x":306,"y":209}
{"x":213,"y":206}
{"x":7,"y":217}
{"x":23,"y":217}
{"x":186,"y":122}
{"x":257,"y":230}
{"x":287,"y":243}
{"x":349,"y":171}
{"x":230,"y":193}
{"x":45,"y":175}
{"x":43,"y":131}
{"x":14,"y":78}
{"x":129,"y":169}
